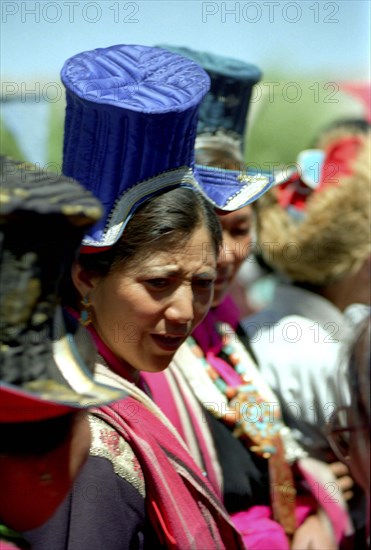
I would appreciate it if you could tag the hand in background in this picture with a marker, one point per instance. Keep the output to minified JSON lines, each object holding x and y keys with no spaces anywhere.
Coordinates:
{"x":344,"y":481}
{"x":313,"y":535}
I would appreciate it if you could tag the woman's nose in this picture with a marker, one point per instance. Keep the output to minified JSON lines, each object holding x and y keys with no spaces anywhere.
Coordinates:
{"x":228,"y":251}
{"x":181,"y":307}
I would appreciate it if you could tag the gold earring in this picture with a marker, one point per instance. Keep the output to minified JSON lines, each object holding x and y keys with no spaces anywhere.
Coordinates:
{"x":85,"y":318}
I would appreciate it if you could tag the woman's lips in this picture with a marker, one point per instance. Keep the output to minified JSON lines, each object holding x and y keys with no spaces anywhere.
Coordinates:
{"x":168,"y":343}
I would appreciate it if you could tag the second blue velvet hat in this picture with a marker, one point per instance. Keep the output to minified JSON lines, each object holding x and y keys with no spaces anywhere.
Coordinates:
{"x":225,"y":107}
{"x":130,"y":130}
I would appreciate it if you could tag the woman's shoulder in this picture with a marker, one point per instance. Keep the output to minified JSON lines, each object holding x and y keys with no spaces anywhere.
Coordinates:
{"x":98,"y":500}
{"x":107,"y":443}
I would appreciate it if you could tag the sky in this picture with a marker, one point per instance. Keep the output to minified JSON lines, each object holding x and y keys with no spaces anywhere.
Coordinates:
{"x":302,"y":37}
{"x":305,"y":38}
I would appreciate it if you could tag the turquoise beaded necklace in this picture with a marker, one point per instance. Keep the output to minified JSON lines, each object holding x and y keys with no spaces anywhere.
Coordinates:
{"x":253,"y":415}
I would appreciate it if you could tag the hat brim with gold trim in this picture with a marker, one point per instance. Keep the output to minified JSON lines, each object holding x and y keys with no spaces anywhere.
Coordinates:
{"x":230,"y":190}
{"x":69,"y":385}
{"x":226,"y":190}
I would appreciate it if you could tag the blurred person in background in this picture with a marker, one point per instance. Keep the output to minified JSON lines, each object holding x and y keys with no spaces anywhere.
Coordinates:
{"x":349,"y":427}
{"x":314,"y":231}
{"x":46,"y":379}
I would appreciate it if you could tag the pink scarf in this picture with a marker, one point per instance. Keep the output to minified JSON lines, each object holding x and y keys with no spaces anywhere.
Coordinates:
{"x":181,"y":505}
{"x":183,"y":508}
{"x":206,"y":334}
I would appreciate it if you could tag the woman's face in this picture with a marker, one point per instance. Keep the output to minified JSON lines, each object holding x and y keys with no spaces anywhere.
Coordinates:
{"x":236,"y":245}
{"x":144,"y":312}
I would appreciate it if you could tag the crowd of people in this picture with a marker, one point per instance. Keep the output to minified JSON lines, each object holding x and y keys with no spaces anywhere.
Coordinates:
{"x":139,"y":406}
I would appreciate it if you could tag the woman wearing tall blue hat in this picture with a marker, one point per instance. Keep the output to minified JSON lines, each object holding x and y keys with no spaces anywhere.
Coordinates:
{"x":213,"y":391}
{"x":142,"y":282}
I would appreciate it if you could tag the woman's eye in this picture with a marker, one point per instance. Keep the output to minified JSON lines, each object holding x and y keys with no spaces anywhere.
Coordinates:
{"x":204,"y":284}
{"x":242,"y":232}
{"x":157,"y":283}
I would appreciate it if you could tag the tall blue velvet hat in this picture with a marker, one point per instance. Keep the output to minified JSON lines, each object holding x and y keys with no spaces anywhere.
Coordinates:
{"x":130,"y":130}
{"x":225,"y":107}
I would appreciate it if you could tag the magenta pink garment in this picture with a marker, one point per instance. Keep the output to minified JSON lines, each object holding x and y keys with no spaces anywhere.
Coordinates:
{"x":111,"y":359}
{"x":229,"y":375}
{"x":206,"y":334}
{"x":259,"y":530}
{"x":183,"y":508}
{"x":158,"y":389}
{"x":168,"y":402}
{"x":114,"y":362}
{"x":210,"y":340}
